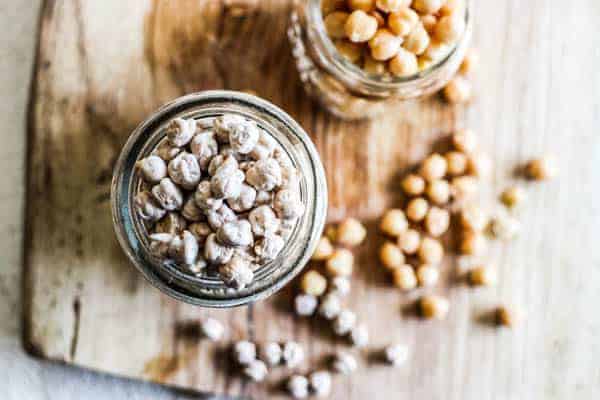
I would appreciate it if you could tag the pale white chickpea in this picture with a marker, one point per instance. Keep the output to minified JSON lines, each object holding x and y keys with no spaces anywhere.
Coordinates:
{"x":473,"y":218}
{"x":450,"y":28}
{"x":464,"y":188}
{"x":428,"y":6}
{"x":364,"y":5}
{"x":340,"y":263}
{"x":324,"y":249}
{"x":390,"y":5}
{"x":334,"y":24}
{"x":434,"y":307}
{"x":541,"y":168}
{"x":473,"y":243}
{"x":512,"y":196}
{"x":438,"y":191}
{"x":360,"y":27}
{"x":328,"y":6}
{"x":457,"y":162}
{"x":413,"y":185}
{"x":416,"y":209}
{"x":482,"y":276}
{"x":404,"y":277}
{"x":458,"y":91}
{"x":431,"y":251}
{"x":384,"y":45}
{"x":374,"y":67}
{"x":393,"y":222}
{"x":470,"y":62}
{"x":465,"y":140}
{"x":391,"y":256}
{"x":417,"y":40}
{"x":409,"y":241}
{"x":480,"y":164}
{"x":433,"y":167}
{"x":403,"y":64}
{"x":349,"y":50}
{"x":429,"y":22}
{"x":313,"y":283}
{"x":437,"y":221}
{"x":351,"y":232}
{"x":402,"y":21}
{"x":428,"y":275}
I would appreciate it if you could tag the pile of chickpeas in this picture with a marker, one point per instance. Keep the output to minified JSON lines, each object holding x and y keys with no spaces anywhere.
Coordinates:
{"x":394,"y":37}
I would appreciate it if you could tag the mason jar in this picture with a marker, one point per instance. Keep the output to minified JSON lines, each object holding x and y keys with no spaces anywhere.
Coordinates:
{"x":207,"y":290}
{"x":347,"y":90}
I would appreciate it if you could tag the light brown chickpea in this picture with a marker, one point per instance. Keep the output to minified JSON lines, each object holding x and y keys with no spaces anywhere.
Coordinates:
{"x":438,"y":191}
{"x":457,"y":162}
{"x":437,"y":221}
{"x":541,"y":168}
{"x":482,"y":276}
{"x":431,"y":251}
{"x":335,"y":24}
{"x":458,"y":91}
{"x":429,"y":22}
{"x":464,"y":188}
{"x":340,"y":263}
{"x":464,"y":140}
{"x":437,"y":50}
{"x":473,"y":218}
{"x":324,"y":249}
{"x":427,"y":275}
{"x":433,"y":167}
{"x":434,"y":307}
{"x":404,"y":277}
{"x":393,"y":222}
{"x":384,"y":45}
{"x":351,"y":232}
{"x":390,"y":5}
{"x":379,"y":17}
{"x":349,"y":50}
{"x":360,"y":27}
{"x":402,"y":21}
{"x":450,"y":28}
{"x":364,"y":5}
{"x":416,"y":209}
{"x":451,"y":7}
{"x":417,"y":40}
{"x":328,"y":6}
{"x":391,"y":256}
{"x":403,"y":64}
{"x":374,"y":67}
{"x":472,"y":243}
{"x":506,"y":316}
{"x":313,"y":283}
{"x":470,"y":62}
{"x":428,"y":6}
{"x":409,"y":241}
{"x":413,"y":185}
{"x":512,"y":196}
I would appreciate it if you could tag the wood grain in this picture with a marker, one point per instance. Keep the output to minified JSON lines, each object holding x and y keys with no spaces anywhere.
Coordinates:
{"x":102,"y":67}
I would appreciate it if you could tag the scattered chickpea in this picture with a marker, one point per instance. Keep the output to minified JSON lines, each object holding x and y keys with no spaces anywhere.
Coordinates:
{"x":450,"y":28}
{"x":324,"y":249}
{"x":403,"y":21}
{"x":416,"y":209}
{"x":437,"y":221}
{"x":417,"y":40}
{"x":384,"y":45}
{"x":409,"y":241}
{"x":391,"y":256}
{"x":464,"y":140}
{"x":472,"y":243}
{"x":373,"y":66}
{"x":458,"y":91}
{"x":480,"y":165}
{"x":506,"y":316}
{"x":433,"y":167}
{"x":457,"y":162}
{"x":349,"y":50}
{"x":482,"y":276}
{"x":404,"y":63}
{"x":473,"y":218}
{"x":434,"y":307}
{"x":438,"y":191}
{"x":413,"y":185}
{"x":427,"y":275}
{"x":428,"y":6}
{"x":334,"y":24}
{"x":313,"y":283}
{"x":404,"y":277}
{"x":351,"y":232}
{"x":464,"y":188}
{"x":513,"y":196}
{"x":360,"y":26}
{"x":542,"y":168}
{"x":470,"y":62}
{"x":431,"y":251}
{"x":364,"y":5}
{"x":340,"y":263}
{"x":393,"y":222}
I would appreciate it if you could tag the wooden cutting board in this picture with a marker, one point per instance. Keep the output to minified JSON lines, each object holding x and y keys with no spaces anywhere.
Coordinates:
{"x":103,"y":66}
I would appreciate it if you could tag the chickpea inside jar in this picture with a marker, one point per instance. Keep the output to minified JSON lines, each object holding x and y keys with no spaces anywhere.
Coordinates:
{"x":359,"y":58}
{"x":219,"y":198}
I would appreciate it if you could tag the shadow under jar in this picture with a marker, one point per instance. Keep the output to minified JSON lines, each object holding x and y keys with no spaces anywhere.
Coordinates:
{"x":208,"y":289}
{"x":343,"y":87}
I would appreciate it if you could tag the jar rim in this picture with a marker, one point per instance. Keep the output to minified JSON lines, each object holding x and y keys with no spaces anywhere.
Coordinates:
{"x":180,"y":285}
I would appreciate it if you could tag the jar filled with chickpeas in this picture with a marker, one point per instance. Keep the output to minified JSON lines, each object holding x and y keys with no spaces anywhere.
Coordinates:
{"x":359,"y":58}
{"x":219,"y":198}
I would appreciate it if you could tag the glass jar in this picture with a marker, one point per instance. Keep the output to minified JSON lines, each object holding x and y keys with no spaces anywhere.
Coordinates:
{"x":208,"y":290}
{"x":347,"y":90}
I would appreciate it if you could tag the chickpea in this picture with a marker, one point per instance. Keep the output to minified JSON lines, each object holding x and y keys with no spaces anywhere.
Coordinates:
{"x":438,"y":191}
{"x":402,"y":21}
{"x":450,"y":28}
{"x":482,"y":276}
{"x":331,"y":233}
{"x":430,"y":251}
{"x":413,"y":185}
{"x":451,"y":7}
{"x":313,"y":283}
{"x":472,"y":243}
{"x":334,"y":24}
{"x":480,"y":165}
{"x":403,"y":64}
{"x":416,"y":209}
{"x":457,"y":162}
{"x":464,"y":188}
{"x":429,"y":22}
{"x":437,"y":221}
{"x":409,"y":241}
{"x":417,"y":40}
{"x":340,"y":263}
{"x":428,"y":275}
{"x":364,"y":5}
{"x":473,"y":218}
{"x":393,"y":222}
{"x":351,"y":232}
{"x":351,"y":51}
{"x":390,"y":5}
{"x":391,"y":256}
{"x":542,"y":168}
{"x":458,"y":91}
{"x":428,"y":6}
{"x":470,"y":62}
{"x":324,"y":249}
{"x":404,"y":277}
{"x":374,"y":67}
{"x":437,"y":50}
{"x":328,"y":6}
{"x":513,"y":196}
{"x":360,"y":27}
{"x":384,"y":45}
{"x":433,"y":167}
{"x":506,"y":316}
{"x":424,"y":63}
{"x":464,"y":140}
{"x":434,"y":307}
{"x":379,"y":17}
